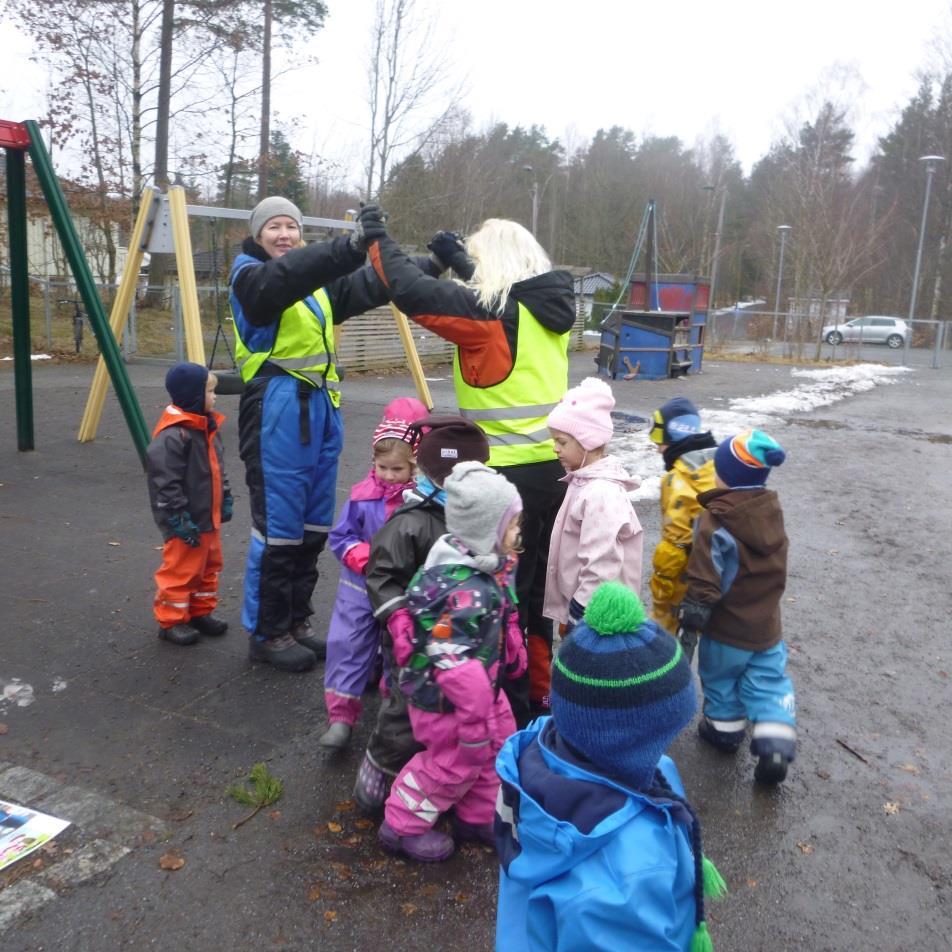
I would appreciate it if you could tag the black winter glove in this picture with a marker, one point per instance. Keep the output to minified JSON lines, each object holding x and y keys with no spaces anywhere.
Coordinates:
{"x":693,"y":615}
{"x":576,"y":614}
{"x":182,"y":526}
{"x":449,"y":252}
{"x":371,"y":225}
{"x":227,"y":507}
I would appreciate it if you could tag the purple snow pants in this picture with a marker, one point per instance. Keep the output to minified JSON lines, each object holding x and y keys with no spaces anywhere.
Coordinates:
{"x":352,"y":642}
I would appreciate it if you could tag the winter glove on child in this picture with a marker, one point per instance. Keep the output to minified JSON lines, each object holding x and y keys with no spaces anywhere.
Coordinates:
{"x":400,"y":626}
{"x":227,"y":507}
{"x":357,"y":557}
{"x":182,"y":526}
{"x":517,"y":659}
{"x":693,"y":615}
{"x":370,"y":226}
{"x":448,"y":249}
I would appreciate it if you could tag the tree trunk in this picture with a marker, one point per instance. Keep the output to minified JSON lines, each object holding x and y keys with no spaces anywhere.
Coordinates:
{"x":265,"y":139}
{"x":159,"y":263}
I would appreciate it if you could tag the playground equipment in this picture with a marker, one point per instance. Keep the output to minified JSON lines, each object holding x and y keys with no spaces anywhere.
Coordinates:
{"x":161,"y":226}
{"x":659,"y":332}
{"x":18,"y":139}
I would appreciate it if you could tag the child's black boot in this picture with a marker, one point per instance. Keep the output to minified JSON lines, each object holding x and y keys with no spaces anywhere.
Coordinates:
{"x":178,"y":635}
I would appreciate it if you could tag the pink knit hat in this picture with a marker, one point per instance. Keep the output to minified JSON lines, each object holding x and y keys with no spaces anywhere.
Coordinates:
{"x":585,"y":412}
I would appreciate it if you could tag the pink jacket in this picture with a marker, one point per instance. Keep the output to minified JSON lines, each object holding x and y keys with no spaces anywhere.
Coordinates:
{"x":596,"y":537}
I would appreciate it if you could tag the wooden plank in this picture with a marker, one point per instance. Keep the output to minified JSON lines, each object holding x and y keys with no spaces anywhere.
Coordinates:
{"x":117,"y":319}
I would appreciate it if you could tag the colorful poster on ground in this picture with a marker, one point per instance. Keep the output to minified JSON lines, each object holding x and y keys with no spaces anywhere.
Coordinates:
{"x":23,"y":830}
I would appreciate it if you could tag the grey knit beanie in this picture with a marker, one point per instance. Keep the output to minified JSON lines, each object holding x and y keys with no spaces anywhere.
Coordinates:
{"x":480,"y":504}
{"x":269,"y":208}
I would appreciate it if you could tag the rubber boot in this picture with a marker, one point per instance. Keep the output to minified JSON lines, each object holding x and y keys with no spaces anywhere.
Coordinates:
{"x":771,"y":768}
{"x":335,"y":738}
{"x":209,"y":625}
{"x":473,"y":832}
{"x":429,"y":847}
{"x":308,"y":638}
{"x":371,"y":788}
{"x":283,"y":653}
{"x":728,"y":743}
{"x":178,"y":635}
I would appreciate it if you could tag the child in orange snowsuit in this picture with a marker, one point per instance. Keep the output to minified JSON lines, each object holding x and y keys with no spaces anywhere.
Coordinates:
{"x":190,"y":498}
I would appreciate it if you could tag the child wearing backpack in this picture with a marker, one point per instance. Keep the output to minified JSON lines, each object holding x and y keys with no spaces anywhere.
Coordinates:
{"x":396,"y":552}
{"x":467,"y":637}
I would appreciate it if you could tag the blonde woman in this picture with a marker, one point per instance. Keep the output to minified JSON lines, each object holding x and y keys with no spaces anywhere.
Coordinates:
{"x":510,"y":321}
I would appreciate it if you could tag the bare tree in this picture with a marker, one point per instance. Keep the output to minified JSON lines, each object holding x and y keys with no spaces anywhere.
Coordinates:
{"x":407,"y":70}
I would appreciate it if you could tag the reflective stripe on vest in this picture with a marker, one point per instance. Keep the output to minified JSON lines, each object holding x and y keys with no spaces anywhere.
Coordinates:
{"x":305,"y":332}
{"x":512,"y":413}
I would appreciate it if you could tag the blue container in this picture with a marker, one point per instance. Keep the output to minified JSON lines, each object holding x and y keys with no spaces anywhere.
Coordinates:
{"x":661,"y":335}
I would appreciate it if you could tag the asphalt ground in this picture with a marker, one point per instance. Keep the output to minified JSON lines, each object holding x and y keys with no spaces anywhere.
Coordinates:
{"x":136,"y":740}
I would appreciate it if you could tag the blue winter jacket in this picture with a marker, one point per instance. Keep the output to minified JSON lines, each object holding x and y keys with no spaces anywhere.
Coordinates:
{"x":586,"y":862}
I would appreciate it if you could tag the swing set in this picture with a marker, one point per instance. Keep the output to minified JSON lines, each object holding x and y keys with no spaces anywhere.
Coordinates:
{"x":161,"y":226}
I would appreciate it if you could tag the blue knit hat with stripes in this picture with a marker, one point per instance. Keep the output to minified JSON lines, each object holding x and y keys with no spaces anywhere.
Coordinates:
{"x":621,"y":687}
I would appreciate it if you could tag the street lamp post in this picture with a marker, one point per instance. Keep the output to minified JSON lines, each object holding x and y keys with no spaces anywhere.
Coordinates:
{"x":930,"y":161}
{"x":783,"y":229}
{"x":717,"y":252}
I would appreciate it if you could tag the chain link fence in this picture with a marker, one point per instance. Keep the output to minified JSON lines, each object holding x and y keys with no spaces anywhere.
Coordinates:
{"x":792,"y":336}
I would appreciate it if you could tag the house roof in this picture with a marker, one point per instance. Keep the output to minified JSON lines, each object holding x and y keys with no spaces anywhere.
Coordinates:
{"x":588,"y":284}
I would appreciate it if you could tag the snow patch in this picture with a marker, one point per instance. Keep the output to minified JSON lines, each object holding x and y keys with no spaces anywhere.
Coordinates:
{"x":821,"y":387}
{"x":17,"y":692}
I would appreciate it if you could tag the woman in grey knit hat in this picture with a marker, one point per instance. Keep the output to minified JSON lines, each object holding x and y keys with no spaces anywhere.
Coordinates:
{"x":286,"y":296}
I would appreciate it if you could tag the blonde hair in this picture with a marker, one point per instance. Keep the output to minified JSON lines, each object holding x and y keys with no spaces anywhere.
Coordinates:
{"x":504,"y":252}
{"x":391,"y":444}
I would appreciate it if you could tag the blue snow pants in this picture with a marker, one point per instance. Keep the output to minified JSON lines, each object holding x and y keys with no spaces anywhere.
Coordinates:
{"x":741,"y":686}
{"x":290,"y":439}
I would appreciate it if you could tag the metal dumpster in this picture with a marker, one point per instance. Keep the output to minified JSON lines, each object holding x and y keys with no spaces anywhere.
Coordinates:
{"x":659,"y":335}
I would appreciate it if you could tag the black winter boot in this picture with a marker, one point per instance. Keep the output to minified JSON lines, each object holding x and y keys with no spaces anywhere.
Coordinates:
{"x":284,"y":653}
{"x":771,"y":768}
{"x":209,"y":625}
{"x":305,"y":635}
{"x":728,"y":743}
{"x":178,"y":635}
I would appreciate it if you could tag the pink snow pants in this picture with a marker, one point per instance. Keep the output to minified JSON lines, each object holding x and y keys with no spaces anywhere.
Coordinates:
{"x":444,"y":775}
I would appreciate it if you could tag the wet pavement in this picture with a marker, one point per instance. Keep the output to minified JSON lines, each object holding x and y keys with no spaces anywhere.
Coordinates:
{"x":137,"y":740}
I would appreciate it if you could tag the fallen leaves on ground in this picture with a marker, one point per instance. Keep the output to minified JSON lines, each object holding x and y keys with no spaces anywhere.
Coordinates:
{"x":805,"y":848}
{"x":364,"y":824}
{"x":334,"y":827}
{"x":314,"y":893}
{"x":752,"y":883}
{"x":171,"y":861}
{"x":462,"y":897}
{"x":909,"y":768}
{"x":330,"y":916}
{"x":890,"y":808}
{"x":408,"y":908}
{"x":346,"y":806}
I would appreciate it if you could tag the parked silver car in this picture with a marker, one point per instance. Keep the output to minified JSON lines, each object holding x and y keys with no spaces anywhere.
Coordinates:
{"x":871,"y":330}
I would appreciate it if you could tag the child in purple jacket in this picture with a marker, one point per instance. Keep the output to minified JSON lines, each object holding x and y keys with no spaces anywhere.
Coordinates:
{"x":353,"y":638}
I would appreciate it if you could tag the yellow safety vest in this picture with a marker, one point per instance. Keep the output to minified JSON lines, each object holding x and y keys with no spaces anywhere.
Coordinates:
{"x":303,"y":346}
{"x":512,"y":413}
